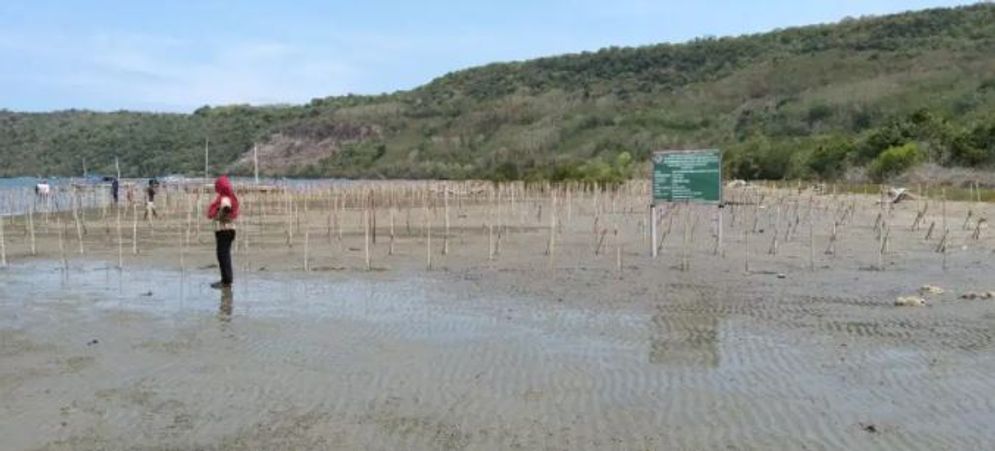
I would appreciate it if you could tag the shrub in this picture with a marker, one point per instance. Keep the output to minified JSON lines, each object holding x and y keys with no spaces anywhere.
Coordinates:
{"x":894,"y":161}
{"x":829,"y":159}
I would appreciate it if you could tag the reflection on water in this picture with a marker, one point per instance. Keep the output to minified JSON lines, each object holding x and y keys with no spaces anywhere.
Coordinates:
{"x":100,"y":286}
{"x":684,"y":339}
{"x":227,"y":302}
{"x":682,"y":335}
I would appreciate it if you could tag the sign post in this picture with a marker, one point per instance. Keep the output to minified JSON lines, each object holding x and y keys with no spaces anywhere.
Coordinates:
{"x":689,"y":176}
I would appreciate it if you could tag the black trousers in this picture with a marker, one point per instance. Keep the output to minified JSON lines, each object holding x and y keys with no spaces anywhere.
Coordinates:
{"x":224,"y":238}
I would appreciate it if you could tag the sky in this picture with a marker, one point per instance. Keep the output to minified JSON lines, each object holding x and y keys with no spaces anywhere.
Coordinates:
{"x":178,"y":55}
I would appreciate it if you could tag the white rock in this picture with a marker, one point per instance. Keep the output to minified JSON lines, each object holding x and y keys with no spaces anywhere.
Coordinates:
{"x":910,"y":301}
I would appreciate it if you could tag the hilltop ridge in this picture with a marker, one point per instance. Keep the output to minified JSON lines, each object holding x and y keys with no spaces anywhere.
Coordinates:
{"x":812,"y":101}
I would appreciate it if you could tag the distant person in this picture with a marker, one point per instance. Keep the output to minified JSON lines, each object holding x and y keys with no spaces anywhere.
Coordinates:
{"x":43,"y":189}
{"x":150,"y":192}
{"x":223,"y":211}
{"x":115,"y":187}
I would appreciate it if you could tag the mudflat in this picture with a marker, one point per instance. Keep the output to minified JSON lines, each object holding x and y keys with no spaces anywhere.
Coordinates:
{"x":588,"y":343}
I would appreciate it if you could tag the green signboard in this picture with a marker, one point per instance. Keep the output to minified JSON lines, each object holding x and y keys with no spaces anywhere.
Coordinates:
{"x":687,"y":176}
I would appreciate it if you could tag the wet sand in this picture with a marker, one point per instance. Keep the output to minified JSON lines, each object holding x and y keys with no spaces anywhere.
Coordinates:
{"x":516,"y":352}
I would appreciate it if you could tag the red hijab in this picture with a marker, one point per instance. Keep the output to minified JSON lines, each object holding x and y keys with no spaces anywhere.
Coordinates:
{"x":223,"y":187}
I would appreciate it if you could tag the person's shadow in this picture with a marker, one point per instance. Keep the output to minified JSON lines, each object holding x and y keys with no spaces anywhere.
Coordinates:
{"x":227,"y":304}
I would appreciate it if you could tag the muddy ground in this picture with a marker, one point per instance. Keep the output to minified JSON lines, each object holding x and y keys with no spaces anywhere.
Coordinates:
{"x":515,"y":350}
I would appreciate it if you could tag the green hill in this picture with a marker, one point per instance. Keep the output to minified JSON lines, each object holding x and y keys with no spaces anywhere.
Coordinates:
{"x":802,"y":102}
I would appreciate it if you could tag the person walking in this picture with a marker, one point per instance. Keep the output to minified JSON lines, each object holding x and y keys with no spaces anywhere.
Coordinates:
{"x":43,"y":189}
{"x":223,"y":210}
{"x":115,"y":187}
{"x":150,"y":192}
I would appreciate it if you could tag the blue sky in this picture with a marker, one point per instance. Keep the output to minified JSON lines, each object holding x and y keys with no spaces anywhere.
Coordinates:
{"x":177,"y":55}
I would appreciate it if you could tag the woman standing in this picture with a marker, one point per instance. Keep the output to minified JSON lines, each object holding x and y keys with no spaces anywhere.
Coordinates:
{"x":223,"y":211}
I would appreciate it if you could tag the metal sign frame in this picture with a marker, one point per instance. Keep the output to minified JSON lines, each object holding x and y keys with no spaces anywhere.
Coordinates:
{"x":706,"y":198}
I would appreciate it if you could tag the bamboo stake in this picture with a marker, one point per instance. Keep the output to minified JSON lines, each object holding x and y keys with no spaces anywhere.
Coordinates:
{"x":618,"y":251}
{"x":748,"y":231}
{"x":390,"y":245}
{"x":186,"y":237}
{"x":490,"y":233}
{"x":134,"y":229}
{"x":811,"y":236}
{"x":328,"y":226}
{"x":944,"y":208}
{"x":445,"y":238}
{"x":3,"y":246}
{"x":79,"y":228}
{"x":946,"y":231}
{"x":120,"y":239}
{"x":366,"y":238}
{"x":777,"y":228}
{"x":551,"y":246}
{"x":920,"y":215}
{"x":428,"y":235}
{"x":339,"y":205}
{"x":407,"y":217}
{"x":183,"y":249}
{"x":497,"y":240}
{"x":373,"y":218}
{"x":685,"y":254}
{"x":307,"y":250}
{"x":570,"y":205}
{"x":718,"y":237}
{"x":62,"y":245}
{"x":31,"y":228}
{"x":881,"y":247}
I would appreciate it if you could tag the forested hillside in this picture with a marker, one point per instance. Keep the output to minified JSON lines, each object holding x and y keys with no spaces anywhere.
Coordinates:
{"x":872,"y":96}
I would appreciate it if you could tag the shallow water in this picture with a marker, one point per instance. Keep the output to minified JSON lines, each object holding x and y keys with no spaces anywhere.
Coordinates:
{"x":101,"y":358}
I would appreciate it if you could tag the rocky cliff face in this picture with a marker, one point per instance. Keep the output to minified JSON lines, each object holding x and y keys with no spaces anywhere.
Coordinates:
{"x":304,"y":144}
